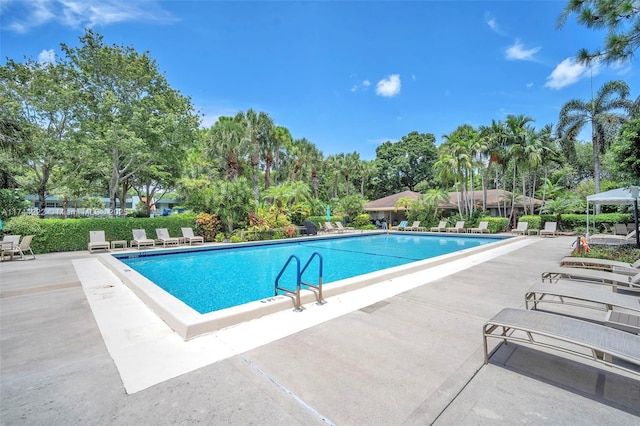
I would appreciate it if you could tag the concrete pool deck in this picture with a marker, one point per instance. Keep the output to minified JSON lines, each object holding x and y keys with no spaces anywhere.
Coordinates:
{"x":410,"y":353}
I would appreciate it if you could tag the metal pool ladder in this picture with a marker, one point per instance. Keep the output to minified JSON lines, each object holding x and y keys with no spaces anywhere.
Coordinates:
{"x":299,"y":282}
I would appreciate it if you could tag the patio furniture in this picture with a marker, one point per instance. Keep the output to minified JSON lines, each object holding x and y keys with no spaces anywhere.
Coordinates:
{"x":342,"y":228}
{"x":21,"y":249}
{"x":521,"y":229}
{"x":591,"y":276}
{"x":569,"y":335}
{"x":416,"y":226}
{"x":601,"y":264}
{"x":549,"y":229}
{"x":481,"y":229}
{"x":458,"y":227}
{"x":187,"y":234}
{"x":442,"y":227}
{"x":140,"y":239}
{"x":97,"y":241}
{"x":165,"y":239}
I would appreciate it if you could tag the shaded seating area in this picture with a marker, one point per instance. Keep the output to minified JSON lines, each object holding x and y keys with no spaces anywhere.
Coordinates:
{"x":458,"y":227}
{"x":97,"y":241}
{"x":190,"y":237}
{"x":481,"y":229}
{"x":550,"y":229}
{"x":328,"y":227}
{"x":140,"y":239}
{"x":165,"y":239}
{"x":7,"y":245}
{"x":442,"y":227}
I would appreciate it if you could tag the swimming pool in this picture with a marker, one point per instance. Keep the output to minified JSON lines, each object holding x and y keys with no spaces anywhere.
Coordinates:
{"x":198,"y":290}
{"x":212,"y":280}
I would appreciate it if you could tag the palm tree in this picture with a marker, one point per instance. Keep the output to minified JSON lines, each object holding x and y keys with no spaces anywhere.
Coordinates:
{"x":517,"y":133}
{"x":259,"y":128}
{"x":365,"y":170}
{"x":434,"y":197}
{"x":227,"y":140}
{"x":349,"y":163}
{"x":606,"y":112}
{"x":494,"y":137}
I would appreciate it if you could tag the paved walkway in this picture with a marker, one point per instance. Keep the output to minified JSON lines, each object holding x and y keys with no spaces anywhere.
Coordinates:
{"x":410,"y":358}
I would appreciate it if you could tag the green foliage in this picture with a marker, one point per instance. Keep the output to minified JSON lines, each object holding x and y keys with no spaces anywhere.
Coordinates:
{"x":12,"y":203}
{"x":579,"y":221}
{"x":362,"y":220}
{"x":620,"y":253}
{"x":621,"y":18}
{"x":54,"y":235}
{"x":219,"y":237}
{"x":232,"y":202}
{"x":207,"y":225}
{"x":235,"y":239}
{"x":626,"y":152}
{"x":497,"y":224}
{"x":351,"y":206}
{"x":405,"y":163}
{"x":533,"y":221}
{"x":598,"y":221}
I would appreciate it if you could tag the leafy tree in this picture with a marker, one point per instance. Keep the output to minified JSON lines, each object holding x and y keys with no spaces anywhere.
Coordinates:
{"x":626,"y":152}
{"x":12,"y":203}
{"x":605,"y":113}
{"x":227,"y":145}
{"x":261,"y":133}
{"x":366,"y":170}
{"x":232,"y":202}
{"x":129,"y":113}
{"x":351,"y":206}
{"x":406,"y":163}
{"x":621,"y":18}
{"x":38,"y":100}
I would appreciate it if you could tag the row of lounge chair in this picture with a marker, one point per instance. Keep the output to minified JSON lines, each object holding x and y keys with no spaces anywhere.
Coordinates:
{"x":97,"y":240}
{"x":339,"y":228}
{"x":579,"y":282}
{"x":11,"y":246}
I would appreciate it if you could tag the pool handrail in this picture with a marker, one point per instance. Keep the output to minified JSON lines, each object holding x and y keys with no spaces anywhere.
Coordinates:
{"x":297,"y":308}
{"x":321,"y":300}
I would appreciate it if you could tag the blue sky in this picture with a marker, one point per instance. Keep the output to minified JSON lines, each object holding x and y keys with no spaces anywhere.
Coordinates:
{"x":347,"y":76}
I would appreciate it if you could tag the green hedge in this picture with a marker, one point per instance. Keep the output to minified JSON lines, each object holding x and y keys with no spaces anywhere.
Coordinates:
{"x":53,"y":235}
{"x":579,"y":221}
{"x":496,"y":224}
{"x":534,"y":221}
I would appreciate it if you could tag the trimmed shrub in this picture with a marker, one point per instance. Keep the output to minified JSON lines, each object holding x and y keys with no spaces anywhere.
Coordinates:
{"x":54,"y":235}
{"x":497,"y":224}
{"x":534,"y":221}
{"x":362,"y":220}
{"x":207,"y":225}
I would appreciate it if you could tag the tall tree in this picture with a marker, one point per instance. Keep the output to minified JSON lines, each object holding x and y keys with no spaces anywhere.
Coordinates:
{"x":621,"y":18}
{"x":129,"y":112}
{"x":406,"y":163}
{"x":605,"y":113}
{"x":40,"y":127}
{"x":260,"y":131}
{"x":518,"y":130}
{"x":228,"y":144}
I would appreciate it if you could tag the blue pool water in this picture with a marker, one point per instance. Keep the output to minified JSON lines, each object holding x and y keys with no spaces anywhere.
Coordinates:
{"x":210,"y":280}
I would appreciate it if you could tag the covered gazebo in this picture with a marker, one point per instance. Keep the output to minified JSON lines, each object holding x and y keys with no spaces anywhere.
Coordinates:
{"x":620,"y":196}
{"x":386,"y":207}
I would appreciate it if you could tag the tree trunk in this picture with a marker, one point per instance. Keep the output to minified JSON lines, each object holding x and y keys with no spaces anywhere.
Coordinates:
{"x":596,"y":164}
{"x":267,"y":170}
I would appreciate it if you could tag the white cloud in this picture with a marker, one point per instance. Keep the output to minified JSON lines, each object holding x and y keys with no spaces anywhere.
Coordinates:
{"x":389,"y":87}
{"x":366,"y":83}
{"x":85,"y":13}
{"x":517,"y":52}
{"x":492,"y":22}
{"x":568,"y":72}
{"x":529,"y":85}
{"x":363,"y":85}
{"x":47,"y":57}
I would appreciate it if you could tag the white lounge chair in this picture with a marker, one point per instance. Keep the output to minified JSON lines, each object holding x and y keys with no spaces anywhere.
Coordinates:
{"x":165,"y":239}
{"x":97,"y":241}
{"x":521,"y":229}
{"x":20,"y":249}
{"x":621,"y":229}
{"x":442,"y":227}
{"x":328,"y":227}
{"x":567,"y":335}
{"x":140,"y":239}
{"x":7,"y":245}
{"x":481,"y":229}
{"x":342,"y":228}
{"x":591,"y":276}
{"x":416,"y":226}
{"x":187,"y":234}
{"x":458,"y":227}
{"x":550,"y":228}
